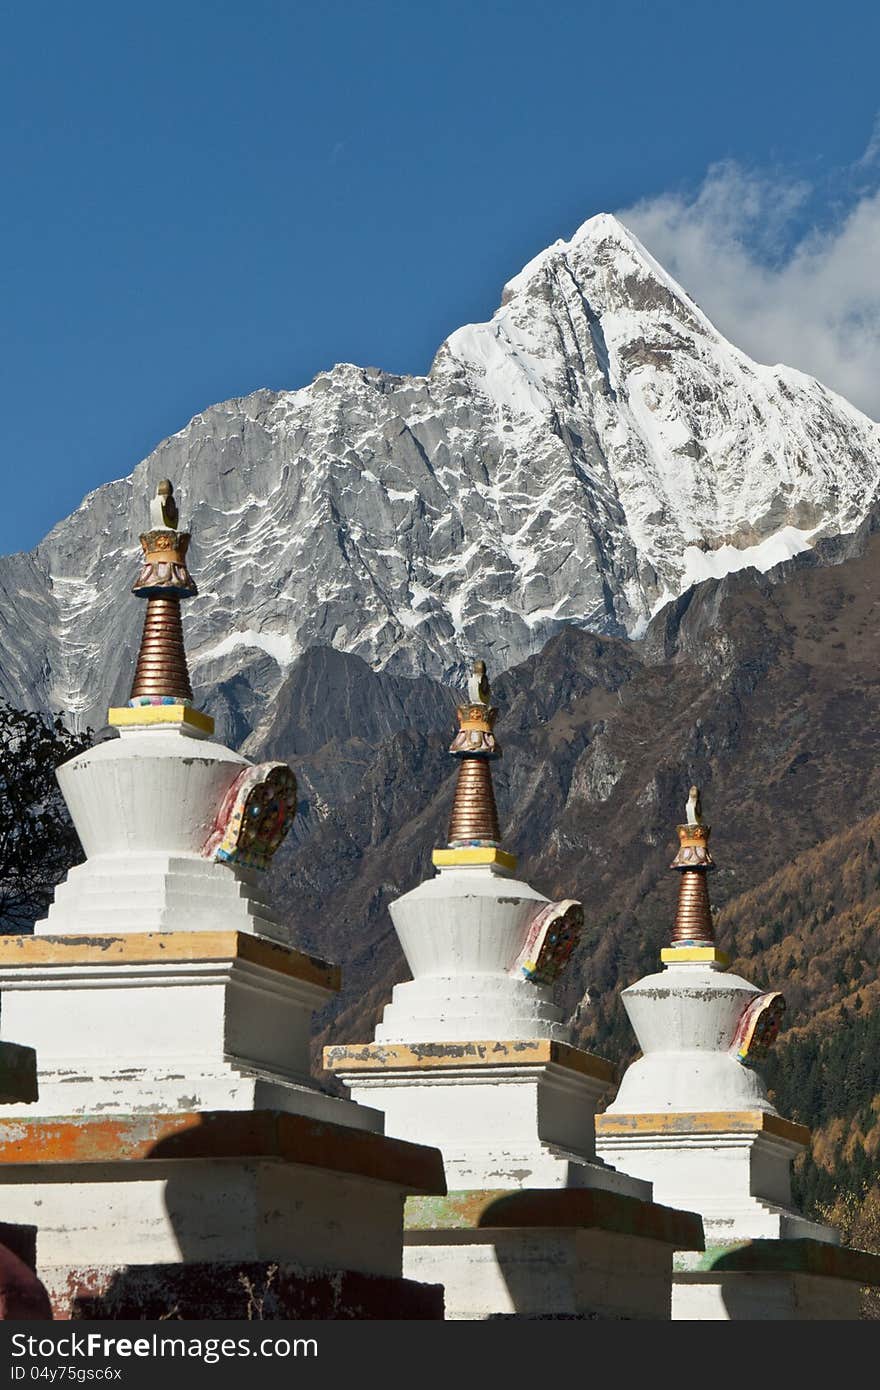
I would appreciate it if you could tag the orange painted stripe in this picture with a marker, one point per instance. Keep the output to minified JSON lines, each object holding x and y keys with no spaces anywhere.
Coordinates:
{"x":222,"y":1134}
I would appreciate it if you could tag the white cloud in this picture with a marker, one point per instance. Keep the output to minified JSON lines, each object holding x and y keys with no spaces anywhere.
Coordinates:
{"x":808,"y":298}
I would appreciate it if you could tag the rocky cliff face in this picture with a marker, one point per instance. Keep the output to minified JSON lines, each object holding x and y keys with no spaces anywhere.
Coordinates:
{"x":581,"y":458}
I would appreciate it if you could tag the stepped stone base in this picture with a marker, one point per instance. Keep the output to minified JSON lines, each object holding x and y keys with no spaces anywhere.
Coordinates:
{"x":773,"y":1280}
{"x":241,"y":1007}
{"x":185,"y":1194}
{"x":576,"y":1253}
{"x":732,"y":1166}
{"x":504,"y":1112}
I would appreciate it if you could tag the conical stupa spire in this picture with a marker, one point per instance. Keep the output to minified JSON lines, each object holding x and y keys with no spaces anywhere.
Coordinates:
{"x":474,"y":819}
{"x":162,"y":676}
{"x":693,"y":917}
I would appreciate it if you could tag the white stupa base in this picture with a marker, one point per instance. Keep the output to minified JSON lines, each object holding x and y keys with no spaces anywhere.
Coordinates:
{"x":762,"y":1258}
{"x":692,"y":1118}
{"x":755,"y":1297}
{"x":512,"y":1114}
{"x":462,"y":933}
{"x":445,"y":1008}
{"x":156,"y":891}
{"x":208,"y":1211}
{"x":685,"y":1017}
{"x":547,"y":1254}
{"x":145,"y":1208}
{"x":738,"y":1178}
{"x":690,"y":1081}
{"x":543,"y":1274}
{"x":801,"y":1280}
{"x":689,"y":1004}
{"x":162,"y":1022}
{"x":152,"y":788}
{"x":144,"y":805}
{"x":467,"y":920}
{"x":82,"y":1087}
{"x":516,"y":1119}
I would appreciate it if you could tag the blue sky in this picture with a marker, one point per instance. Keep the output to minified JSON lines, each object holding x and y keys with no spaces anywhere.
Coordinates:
{"x":203,"y":198}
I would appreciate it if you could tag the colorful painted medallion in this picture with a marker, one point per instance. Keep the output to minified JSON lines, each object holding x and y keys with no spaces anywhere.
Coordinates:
{"x":255,"y":816}
{"x":758,"y":1027}
{"x":553,"y":934}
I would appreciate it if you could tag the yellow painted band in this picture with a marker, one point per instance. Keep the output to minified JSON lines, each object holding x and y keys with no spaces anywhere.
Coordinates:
{"x":672,"y":954}
{"x":155,"y":948}
{"x":378,"y":1057}
{"x":126,"y":716}
{"x":447,"y":858}
{"x":614,"y":1126}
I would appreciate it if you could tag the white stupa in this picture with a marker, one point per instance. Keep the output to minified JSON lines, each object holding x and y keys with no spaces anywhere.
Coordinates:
{"x":472,"y":1055}
{"x":180,"y":1153}
{"x":693,"y":1117}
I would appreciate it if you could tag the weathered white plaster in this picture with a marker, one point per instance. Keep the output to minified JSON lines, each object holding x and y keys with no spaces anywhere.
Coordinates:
{"x":532,"y":1126}
{"x":739,"y":1180}
{"x":202,"y":1210}
{"x":447,"y":1008}
{"x":739,"y":1183}
{"x":144,"y":805}
{"x":155,"y":788}
{"x":117,"y":1037}
{"x":461,"y":933}
{"x":758,"y":1297}
{"x":193,"y":1035}
{"x":543,"y":1273}
{"x":684,"y":1018}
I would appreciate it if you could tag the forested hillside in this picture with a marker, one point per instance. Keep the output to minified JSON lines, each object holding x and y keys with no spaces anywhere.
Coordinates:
{"x":813,"y":929}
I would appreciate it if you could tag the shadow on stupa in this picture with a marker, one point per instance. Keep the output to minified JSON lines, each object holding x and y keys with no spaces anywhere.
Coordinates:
{"x":22,"y":1296}
{"x":586,"y":1253}
{"x":218,"y":1181}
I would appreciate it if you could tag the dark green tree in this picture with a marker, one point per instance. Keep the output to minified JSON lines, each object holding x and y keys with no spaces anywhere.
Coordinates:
{"x":38,"y":843}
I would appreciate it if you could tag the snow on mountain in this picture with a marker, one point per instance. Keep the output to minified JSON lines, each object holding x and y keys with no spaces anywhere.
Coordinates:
{"x":583,"y":457}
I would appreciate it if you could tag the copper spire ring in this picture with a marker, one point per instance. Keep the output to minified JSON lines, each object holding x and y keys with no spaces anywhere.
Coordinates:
{"x":693,"y":917}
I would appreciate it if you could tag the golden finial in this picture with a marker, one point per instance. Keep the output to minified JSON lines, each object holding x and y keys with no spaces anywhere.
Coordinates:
{"x":693,"y":807}
{"x":478,"y":687}
{"x":163,"y":508}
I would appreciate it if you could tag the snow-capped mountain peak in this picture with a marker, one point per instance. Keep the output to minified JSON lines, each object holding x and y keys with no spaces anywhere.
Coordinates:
{"x":583,"y":456}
